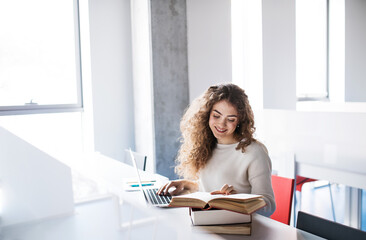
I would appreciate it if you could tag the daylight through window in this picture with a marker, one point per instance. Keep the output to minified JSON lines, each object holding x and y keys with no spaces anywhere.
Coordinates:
{"x":39,"y":55}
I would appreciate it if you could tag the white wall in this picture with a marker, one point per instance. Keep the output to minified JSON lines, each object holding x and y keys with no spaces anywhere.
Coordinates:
{"x":355,"y":50}
{"x":57,"y":134}
{"x":331,"y":139}
{"x":111,"y":64}
{"x":279,"y":56}
{"x":247,"y":51}
{"x":143,"y":81}
{"x":209,"y":44}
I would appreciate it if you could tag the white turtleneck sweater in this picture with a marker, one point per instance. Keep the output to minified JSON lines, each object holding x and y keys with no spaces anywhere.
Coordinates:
{"x":248,"y":172}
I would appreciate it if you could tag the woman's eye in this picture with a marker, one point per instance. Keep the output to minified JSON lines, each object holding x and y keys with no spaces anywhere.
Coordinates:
{"x":216,"y":116}
{"x":231,"y":120}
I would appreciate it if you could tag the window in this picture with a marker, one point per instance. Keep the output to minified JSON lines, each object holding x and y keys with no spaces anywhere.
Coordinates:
{"x":320,"y":50}
{"x":363,"y":210}
{"x":311,"y":49}
{"x":39,"y":56}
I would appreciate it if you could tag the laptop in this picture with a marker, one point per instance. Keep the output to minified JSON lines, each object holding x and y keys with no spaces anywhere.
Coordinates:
{"x":149,"y":193}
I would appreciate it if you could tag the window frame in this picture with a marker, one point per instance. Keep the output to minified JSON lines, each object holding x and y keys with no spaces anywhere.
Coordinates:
{"x":326,"y":97}
{"x":57,"y":108}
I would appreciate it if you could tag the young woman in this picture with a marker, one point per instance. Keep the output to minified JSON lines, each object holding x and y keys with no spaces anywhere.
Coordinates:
{"x":219,"y":153}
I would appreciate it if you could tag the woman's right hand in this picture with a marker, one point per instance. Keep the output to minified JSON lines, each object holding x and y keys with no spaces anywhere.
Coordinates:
{"x":225,"y":189}
{"x":180,"y":187}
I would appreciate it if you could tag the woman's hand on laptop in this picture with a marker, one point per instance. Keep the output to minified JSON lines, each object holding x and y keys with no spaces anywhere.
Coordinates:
{"x":181,"y":186}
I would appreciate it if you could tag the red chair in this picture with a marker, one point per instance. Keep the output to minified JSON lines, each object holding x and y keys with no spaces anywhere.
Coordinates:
{"x":300,"y":181}
{"x":283,"y":189}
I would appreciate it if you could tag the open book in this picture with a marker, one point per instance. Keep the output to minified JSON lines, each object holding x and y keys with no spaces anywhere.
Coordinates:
{"x":242,"y":203}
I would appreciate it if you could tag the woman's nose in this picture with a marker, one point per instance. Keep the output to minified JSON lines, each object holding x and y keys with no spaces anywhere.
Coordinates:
{"x":222,"y":122}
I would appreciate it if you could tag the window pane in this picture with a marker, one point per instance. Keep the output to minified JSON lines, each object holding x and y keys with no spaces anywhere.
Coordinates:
{"x":311,"y":48}
{"x":363,"y":211}
{"x":38,"y":60}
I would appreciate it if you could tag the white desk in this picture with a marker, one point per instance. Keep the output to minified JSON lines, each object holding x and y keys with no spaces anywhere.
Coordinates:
{"x":263,"y":228}
{"x":98,"y":220}
{"x":103,"y":218}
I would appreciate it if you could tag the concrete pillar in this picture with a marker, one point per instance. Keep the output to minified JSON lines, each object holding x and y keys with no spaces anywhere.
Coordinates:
{"x":160,"y":79}
{"x":170,"y":78}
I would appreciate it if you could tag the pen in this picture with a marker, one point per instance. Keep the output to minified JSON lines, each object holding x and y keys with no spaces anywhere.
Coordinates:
{"x":144,"y":184}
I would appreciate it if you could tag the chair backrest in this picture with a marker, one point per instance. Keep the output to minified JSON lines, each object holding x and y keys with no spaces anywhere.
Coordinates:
{"x":283,"y":189}
{"x":140,"y":159}
{"x":300,"y":181}
{"x":327,"y":229}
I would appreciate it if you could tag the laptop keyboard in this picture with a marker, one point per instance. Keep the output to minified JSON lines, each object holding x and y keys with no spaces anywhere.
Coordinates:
{"x":157,"y":199}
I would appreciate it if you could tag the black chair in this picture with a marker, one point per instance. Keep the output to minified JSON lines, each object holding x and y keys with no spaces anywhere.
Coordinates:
{"x":327,"y":229}
{"x":140,"y":159}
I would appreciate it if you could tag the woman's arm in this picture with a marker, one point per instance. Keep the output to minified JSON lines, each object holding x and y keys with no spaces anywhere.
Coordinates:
{"x":259,"y":176}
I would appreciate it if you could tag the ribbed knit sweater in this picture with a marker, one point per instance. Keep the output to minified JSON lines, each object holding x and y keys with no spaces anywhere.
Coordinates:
{"x":248,"y":172}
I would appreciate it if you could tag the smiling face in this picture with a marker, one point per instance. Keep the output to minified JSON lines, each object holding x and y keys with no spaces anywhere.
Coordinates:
{"x":223,"y":121}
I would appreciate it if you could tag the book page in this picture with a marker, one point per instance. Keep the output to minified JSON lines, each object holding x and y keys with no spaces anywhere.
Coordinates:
{"x":242,"y":197}
{"x":206,"y":196}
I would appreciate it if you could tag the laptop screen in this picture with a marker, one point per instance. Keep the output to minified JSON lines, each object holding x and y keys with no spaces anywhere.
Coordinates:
{"x":152,"y":199}
{"x":137,"y":172}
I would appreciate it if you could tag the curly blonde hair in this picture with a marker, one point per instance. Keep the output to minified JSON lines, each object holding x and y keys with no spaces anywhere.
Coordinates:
{"x":197,"y":139}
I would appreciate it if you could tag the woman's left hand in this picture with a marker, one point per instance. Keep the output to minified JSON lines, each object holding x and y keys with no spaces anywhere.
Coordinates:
{"x":226,"y":189}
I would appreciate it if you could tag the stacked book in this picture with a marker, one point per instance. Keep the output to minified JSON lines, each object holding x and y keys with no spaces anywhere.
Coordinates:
{"x":223,"y":214}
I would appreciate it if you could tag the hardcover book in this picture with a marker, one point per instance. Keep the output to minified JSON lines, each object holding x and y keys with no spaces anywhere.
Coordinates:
{"x":238,"y":229}
{"x":216,"y":216}
{"x":241,"y":203}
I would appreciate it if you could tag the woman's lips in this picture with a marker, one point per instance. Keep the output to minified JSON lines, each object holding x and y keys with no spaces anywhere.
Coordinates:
{"x":220,"y":130}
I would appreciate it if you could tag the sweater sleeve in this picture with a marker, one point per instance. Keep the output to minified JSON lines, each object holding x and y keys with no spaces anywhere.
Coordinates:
{"x":259,"y":176}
